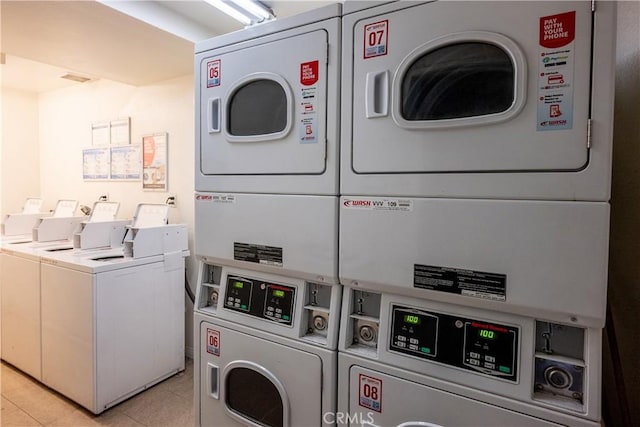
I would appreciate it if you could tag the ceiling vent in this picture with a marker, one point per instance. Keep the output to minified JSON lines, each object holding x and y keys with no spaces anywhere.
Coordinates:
{"x":75,"y":78}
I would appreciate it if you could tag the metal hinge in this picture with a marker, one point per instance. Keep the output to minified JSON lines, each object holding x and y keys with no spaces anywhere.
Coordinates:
{"x":588,"y":133}
{"x":593,"y":5}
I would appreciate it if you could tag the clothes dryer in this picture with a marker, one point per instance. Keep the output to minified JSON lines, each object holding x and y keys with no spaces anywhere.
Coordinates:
{"x":265,"y":349}
{"x":267,"y":146}
{"x":267,"y":100}
{"x":476,"y":153}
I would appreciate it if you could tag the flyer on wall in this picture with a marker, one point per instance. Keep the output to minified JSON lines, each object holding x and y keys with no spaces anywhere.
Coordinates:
{"x":154,"y":160}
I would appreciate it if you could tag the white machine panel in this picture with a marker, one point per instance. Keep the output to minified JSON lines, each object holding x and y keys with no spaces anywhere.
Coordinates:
{"x":283,"y":234}
{"x":268,"y":122}
{"x":32,"y":206}
{"x":65,"y":208}
{"x":20,"y":279}
{"x":468,"y":99}
{"x":533,"y":258}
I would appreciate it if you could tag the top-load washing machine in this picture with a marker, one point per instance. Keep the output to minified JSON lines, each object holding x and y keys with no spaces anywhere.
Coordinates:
{"x":20,"y":284}
{"x":476,"y":153}
{"x":266,"y":180}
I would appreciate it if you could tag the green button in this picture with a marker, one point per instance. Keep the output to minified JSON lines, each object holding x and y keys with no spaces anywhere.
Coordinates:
{"x":426,"y":350}
{"x":505,"y":369}
{"x":285,"y":317}
{"x":243,"y":306}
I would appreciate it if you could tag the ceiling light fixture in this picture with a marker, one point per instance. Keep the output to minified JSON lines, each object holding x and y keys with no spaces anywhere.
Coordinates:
{"x":248,"y":12}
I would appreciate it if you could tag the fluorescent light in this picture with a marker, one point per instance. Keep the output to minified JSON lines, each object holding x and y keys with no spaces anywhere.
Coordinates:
{"x":234,"y":13}
{"x":254,"y":8}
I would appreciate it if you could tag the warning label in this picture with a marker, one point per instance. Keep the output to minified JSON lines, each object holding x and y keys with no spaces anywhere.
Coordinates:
{"x":370,"y":393}
{"x":464,"y":282}
{"x":259,"y":254}
{"x":555,"y":76}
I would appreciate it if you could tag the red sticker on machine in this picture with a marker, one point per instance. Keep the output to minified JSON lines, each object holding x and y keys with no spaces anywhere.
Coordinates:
{"x":557,"y":30}
{"x":370,"y":393}
{"x":213,"y":342}
{"x":214,"y":71}
{"x":376,"y":39}
{"x":309,"y":73}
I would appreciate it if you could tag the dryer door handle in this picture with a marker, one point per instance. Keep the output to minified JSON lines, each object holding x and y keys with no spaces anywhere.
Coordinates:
{"x":214,"y":114}
{"x":212,"y":380}
{"x":377,"y":94}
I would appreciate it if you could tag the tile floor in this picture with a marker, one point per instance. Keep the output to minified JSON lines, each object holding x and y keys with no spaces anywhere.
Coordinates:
{"x":27,"y":403}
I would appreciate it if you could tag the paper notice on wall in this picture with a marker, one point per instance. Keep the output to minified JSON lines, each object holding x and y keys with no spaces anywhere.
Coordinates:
{"x":555,"y":71}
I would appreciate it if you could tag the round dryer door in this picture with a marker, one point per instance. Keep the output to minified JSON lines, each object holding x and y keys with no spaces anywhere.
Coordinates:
{"x":254,"y":394}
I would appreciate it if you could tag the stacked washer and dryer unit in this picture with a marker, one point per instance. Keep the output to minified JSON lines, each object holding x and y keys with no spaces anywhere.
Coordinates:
{"x":474,"y":218}
{"x":268,"y":298}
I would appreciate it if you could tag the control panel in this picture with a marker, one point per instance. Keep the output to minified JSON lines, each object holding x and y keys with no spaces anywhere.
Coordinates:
{"x":485,"y":347}
{"x":266,"y":300}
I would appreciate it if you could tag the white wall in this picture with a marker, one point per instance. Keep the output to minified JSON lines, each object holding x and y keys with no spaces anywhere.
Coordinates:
{"x":19,"y":161}
{"x":65,"y":118}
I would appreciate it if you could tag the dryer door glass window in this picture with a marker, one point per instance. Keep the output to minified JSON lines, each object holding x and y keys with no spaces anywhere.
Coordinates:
{"x":458,"y":81}
{"x":255,"y":397}
{"x":257,"y":108}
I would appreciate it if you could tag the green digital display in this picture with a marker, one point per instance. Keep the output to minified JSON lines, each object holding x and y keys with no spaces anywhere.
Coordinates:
{"x":278,"y":293}
{"x":486,"y":334}
{"x":238,"y":285}
{"x":412,"y":319}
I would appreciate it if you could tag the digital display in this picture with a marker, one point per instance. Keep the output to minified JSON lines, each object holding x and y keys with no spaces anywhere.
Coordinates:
{"x":278,"y":293}
{"x":486,"y":334}
{"x":238,"y":285}
{"x":412,"y":319}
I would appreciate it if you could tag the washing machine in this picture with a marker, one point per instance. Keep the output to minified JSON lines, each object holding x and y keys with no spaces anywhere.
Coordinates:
{"x":20,"y":285}
{"x":409,"y":361}
{"x":476,"y":154}
{"x":265,"y":348}
{"x":267,"y":146}
{"x":113,"y":319}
